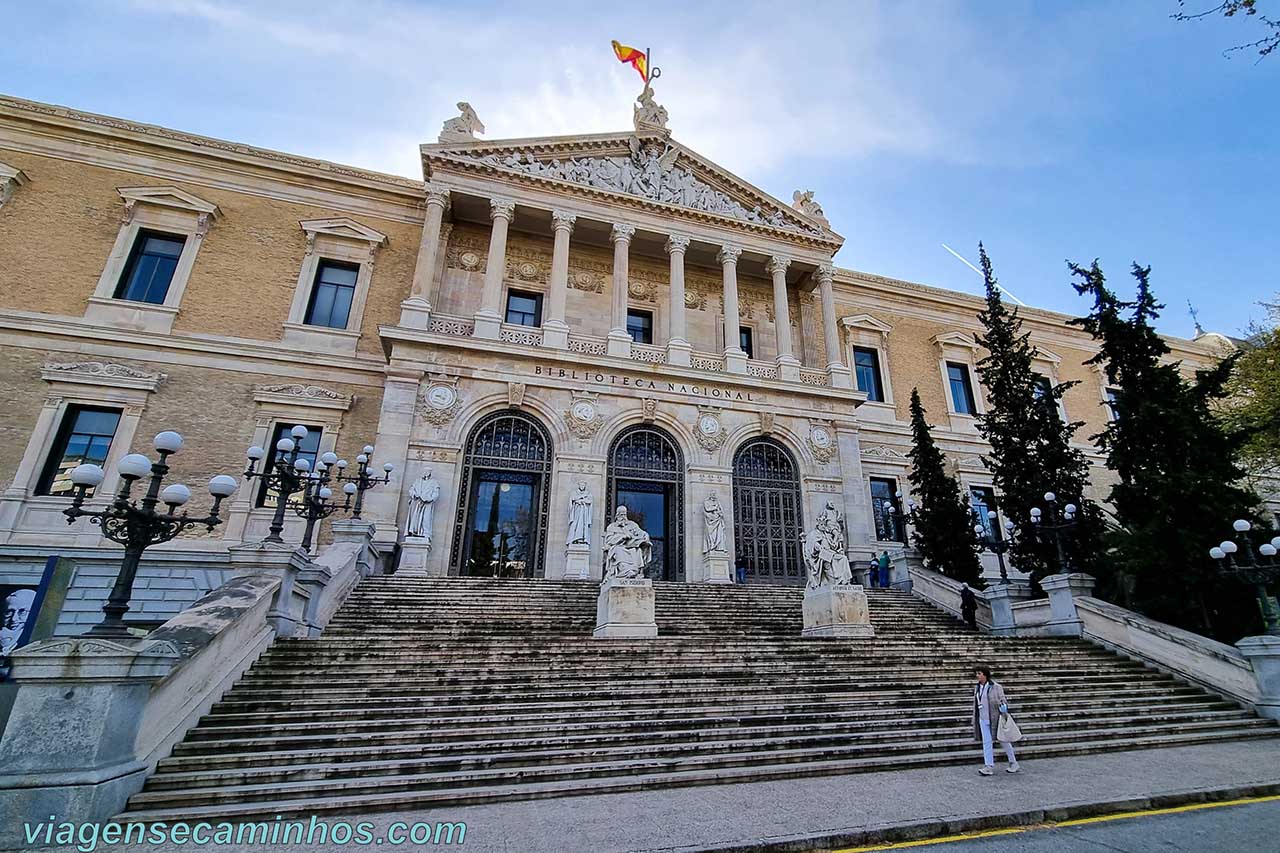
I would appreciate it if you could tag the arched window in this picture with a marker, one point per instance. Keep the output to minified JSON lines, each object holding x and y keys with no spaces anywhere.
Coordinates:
{"x":646,"y":475}
{"x":504,"y":495}
{"x":767,"y":521}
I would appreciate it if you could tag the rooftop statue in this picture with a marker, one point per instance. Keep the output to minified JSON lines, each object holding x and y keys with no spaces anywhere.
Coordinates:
{"x":462,"y":128}
{"x":803,"y":202}
{"x":649,"y":114}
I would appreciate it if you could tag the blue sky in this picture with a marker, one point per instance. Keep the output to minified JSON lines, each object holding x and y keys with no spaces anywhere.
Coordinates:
{"x":1048,"y":130}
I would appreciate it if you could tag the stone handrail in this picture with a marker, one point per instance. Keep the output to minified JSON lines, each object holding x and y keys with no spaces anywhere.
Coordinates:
{"x":944,"y":593}
{"x":1215,"y":666}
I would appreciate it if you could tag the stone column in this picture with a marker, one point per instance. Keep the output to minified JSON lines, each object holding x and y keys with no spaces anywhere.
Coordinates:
{"x":735,"y":360}
{"x":488,"y":319}
{"x":838,"y":374}
{"x":619,"y":340}
{"x":395,"y":423}
{"x":555,"y":331}
{"x":415,"y":312}
{"x":788,"y":364}
{"x":678,"y":347}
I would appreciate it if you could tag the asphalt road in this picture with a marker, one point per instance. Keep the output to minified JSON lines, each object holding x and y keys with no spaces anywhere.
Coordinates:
{"x":1249,"y":828}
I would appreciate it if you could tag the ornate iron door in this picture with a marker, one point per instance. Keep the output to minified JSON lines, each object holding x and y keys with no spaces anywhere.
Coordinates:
{"x":646,"y":459}
{"x":511,"y":453}
{"x":767,"y":520}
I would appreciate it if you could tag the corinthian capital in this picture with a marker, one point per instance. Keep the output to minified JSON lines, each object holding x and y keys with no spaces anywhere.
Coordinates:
{"x":437,"y":194}
{"x":622,"y":233}
{"x":677,"y":243}
{"x":777,"y":264}
{"x":824,"y":273}
{"x":501,"y":208}
{"x":728,"y":254}
{"x":562,"y":219}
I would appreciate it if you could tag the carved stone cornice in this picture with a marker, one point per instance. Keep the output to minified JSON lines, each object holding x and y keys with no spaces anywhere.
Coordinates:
{"x":297,"y":394}
{"x":103,"y":373}
{"x":10,"y":179}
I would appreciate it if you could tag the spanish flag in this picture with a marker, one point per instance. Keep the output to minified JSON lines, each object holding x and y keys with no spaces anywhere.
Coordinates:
{"x":635,"y":58}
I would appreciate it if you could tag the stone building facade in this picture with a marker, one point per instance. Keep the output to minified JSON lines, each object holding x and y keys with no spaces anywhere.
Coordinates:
{"x":534,"y":314}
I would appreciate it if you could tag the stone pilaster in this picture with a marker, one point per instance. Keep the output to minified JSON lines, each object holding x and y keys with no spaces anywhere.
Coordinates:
{"x":679,"y":349}
{"x":415,"y":312}
{"x":488,"y":320}
{"x":555,"y":331}
{"x":619,"y":340}
{"x":395,"y":423}
{"x":837,"y":372}
{"x":788,"y":364}
{"x":735,"y":360}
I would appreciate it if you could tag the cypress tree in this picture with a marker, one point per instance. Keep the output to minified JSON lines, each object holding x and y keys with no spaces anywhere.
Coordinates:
{"x":1031,"y":450}
{"x":1178,"y":478}
{"x":943,"y":522}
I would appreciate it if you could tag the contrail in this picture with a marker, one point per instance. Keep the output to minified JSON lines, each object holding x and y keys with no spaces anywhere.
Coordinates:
{"x":1001,"y":287}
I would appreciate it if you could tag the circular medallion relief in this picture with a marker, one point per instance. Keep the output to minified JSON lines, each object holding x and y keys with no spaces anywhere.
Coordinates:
{"x":441,"y":396}
{"x":709,"y":424}
{"x":584,"y":411}
{"x":820,"y":436}
{"x":470,"y":260}
{"x":527,"y":270}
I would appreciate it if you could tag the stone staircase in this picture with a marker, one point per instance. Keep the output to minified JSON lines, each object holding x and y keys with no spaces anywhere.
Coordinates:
{"x":428,"y":692}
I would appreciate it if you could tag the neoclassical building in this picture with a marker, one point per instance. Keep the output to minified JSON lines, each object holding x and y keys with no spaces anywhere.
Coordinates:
{"x":610,"y":310}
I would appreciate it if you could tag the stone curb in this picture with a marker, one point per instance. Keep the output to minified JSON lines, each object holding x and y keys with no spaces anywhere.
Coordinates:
{"x":923,"y":830}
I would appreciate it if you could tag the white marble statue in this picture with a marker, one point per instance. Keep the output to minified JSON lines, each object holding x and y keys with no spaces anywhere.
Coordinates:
{"x":713,"y":525}
{"x":462,"y":128}
{"x":649,"y":114}
{"x":580,"y":516}
{"x":422,"y":506}
{"x":824,"y":550}
{"x":802,"y":200}
{"x":627,"y":548}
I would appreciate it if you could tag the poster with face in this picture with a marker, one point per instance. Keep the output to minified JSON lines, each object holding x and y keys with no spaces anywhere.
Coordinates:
{"x":16,"y":607}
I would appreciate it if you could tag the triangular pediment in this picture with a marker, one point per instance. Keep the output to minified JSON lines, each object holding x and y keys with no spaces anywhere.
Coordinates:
{"x":169,"y":197}
{"x":956,"y":339}
{"x":649,"y":167}
{"x":343,"y":227}
{"x":866,"y":323}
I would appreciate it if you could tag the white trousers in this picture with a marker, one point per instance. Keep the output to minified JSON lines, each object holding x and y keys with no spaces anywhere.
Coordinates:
{"x":988,"y":754}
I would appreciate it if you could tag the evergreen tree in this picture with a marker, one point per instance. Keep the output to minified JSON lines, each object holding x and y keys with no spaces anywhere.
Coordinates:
{"x":1031,"y":450}
{"x":943,"y":521}
{"x":1178,"y":476}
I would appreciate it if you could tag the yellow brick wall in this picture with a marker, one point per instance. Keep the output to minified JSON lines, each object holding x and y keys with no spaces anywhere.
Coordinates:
{"x":56,"y":234}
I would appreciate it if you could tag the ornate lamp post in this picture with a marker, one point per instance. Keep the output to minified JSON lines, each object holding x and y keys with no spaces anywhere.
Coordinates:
{"x":287,"y":475}
{"x":362,"y":480}
{"x":137,"y":525}
{"x":1258,"y":570}
{"x":315,"y":503}
{"x":1057,"y":523}
{"x":999,"y":547}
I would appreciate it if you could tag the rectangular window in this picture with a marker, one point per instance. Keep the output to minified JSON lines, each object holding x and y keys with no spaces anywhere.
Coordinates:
{"x":983,"y":501}
{"x":1042,"y":387}
{"x":308,"y":449}
{"x":84,"y":437}
{"x":524,"y":309}
{"x":1112,"y":411}
{"x":640,"y":326}
{"x":331,"y":295}
{"x":886,"y":510}
{"x":745,"y":343}
{"x":866,"y":367}
{"x":150,"y":267}
{"x":961,"y":389}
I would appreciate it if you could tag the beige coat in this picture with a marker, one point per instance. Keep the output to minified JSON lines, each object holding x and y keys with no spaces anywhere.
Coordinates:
{"x":995,"y":698}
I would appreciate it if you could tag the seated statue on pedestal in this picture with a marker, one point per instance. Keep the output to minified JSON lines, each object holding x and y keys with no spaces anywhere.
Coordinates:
{"x":824,"y":550}
{"x":627,"y":548}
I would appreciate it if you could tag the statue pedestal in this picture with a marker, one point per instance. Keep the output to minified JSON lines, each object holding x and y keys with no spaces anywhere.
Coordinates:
{"x":625,"y":610}
{"x":836,"y":611}
{"x":577,"y":562}
{"x":414,"y":554}
{"x":717,"y":568}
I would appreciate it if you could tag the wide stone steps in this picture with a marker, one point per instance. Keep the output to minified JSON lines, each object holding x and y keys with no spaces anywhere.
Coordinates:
{"x":433,"y":692}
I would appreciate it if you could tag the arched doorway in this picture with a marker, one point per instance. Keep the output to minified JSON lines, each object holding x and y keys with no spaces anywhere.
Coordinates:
{"x":646,"y":475}
{"x":503,"y":498}
{"x":767,"y":520}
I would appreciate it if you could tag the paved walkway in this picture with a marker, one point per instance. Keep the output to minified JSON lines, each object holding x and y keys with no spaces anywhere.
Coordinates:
{"x":832,"y":811}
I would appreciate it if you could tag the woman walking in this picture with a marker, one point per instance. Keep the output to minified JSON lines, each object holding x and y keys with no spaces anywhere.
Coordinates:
{"x":988,"y":705}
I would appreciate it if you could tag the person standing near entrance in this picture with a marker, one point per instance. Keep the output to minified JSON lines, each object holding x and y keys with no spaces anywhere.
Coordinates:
{"x":988,"y":705}
{"x":883,"y":565}
{"x":873,"y":572}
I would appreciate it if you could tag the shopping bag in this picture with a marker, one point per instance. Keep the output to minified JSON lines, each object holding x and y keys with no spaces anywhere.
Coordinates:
{"x":1007,"y":730}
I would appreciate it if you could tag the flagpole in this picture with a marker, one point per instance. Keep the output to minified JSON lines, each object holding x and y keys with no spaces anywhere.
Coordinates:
{"x":648,"y":67}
